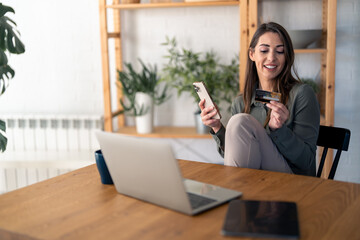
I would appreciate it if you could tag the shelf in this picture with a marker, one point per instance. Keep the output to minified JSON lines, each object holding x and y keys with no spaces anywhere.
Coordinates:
{"x":311,"y":50}
{"x":166,"y":132}
{"x":171,"y":4}
{"x":248,"y":11}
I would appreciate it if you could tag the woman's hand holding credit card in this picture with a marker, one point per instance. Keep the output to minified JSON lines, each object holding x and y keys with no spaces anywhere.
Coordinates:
{"x":279,"y":113}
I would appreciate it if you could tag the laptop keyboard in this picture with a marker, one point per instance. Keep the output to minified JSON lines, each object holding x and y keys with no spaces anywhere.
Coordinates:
{"x":198,"y":201}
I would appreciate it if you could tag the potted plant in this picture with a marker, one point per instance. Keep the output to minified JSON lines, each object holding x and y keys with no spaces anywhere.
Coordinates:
{"x":142,"y":90}
{"x":185,"y":67}
{"x":9,"y":43}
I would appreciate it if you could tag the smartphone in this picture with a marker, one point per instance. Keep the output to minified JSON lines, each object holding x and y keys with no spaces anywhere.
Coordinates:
{"x":266,"y":97}
{"x":203,"y":93}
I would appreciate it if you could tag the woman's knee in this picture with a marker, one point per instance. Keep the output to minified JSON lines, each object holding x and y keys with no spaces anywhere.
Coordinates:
{"x":240,"y":120}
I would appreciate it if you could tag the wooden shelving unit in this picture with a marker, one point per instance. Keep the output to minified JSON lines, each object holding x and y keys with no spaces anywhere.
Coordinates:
{"x":248,"y":11}
{"x":313,"y":50}
{"x":170,"y":5}
{"x":116,"y":7}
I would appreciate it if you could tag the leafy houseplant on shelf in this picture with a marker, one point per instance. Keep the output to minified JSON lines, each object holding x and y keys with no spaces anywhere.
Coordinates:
{"x":9,"y":43}
{"x":142,"y":90}
{"x":185,"y":67}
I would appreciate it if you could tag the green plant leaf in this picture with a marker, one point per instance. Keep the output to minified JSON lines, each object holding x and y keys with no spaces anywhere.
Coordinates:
{"x":2,"y":126}
{"x":10,"y":36}
{"x":3,"y":138}
{"x":5,"y":9}
{"x":9,"y":43}
{"x":6,"y":73}
{"x":3,"y":58}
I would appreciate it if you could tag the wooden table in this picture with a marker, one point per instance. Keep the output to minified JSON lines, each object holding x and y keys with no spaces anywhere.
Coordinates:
{"x":77,"y":206}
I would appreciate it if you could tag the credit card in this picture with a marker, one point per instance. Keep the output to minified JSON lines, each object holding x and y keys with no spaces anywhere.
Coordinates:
{"x":266,"y":97}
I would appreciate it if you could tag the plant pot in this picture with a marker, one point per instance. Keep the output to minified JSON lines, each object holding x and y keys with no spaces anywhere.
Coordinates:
{"x":144,"y":123}
{"x":200,"y":127}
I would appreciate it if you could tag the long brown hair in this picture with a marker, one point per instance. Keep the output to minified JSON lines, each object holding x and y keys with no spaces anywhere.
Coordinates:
{"x":285,"y":80}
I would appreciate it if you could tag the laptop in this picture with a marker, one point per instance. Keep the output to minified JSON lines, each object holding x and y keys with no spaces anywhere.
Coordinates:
{"x":147,"y":170}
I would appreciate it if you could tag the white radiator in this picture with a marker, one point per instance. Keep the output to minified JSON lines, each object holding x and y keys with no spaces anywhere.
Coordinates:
{"x":40,"y":147}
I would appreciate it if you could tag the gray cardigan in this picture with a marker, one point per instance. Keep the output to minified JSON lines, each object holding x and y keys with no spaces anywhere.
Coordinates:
{"x":296,"y":139}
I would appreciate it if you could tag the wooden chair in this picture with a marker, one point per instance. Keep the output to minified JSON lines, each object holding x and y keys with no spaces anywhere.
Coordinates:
{"x":335,"y":138}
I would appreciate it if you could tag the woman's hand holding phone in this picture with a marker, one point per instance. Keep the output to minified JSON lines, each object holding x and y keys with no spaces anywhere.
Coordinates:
{"x":207,"y":116}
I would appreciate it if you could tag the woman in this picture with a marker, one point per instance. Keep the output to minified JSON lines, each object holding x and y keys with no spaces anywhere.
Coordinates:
{"x":276,"y":136}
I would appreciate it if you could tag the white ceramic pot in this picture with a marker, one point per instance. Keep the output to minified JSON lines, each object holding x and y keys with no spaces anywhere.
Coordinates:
{"x":144,"y":123}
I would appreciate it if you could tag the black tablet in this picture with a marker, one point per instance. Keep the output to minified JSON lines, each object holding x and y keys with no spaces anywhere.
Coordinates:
{"x":261,"y":219}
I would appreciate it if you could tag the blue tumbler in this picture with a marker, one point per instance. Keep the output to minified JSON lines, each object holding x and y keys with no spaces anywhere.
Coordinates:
{"x":103,"y":170}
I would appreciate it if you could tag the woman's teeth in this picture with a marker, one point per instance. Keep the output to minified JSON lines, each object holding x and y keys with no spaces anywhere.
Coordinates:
{"x":270,"y":67}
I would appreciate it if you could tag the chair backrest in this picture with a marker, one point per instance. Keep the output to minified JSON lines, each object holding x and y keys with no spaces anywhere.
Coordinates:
{"x":335,"y":138}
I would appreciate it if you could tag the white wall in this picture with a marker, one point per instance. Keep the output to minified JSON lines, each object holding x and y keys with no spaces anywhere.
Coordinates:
{"x":61,"y":69}
{"x":60,"y":72}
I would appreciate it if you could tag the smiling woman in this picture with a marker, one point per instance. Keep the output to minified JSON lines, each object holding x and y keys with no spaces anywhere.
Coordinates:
{"x":277,"y":136}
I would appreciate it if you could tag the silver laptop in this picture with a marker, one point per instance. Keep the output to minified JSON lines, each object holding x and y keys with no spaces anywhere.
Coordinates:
{"x":147,"y":170}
